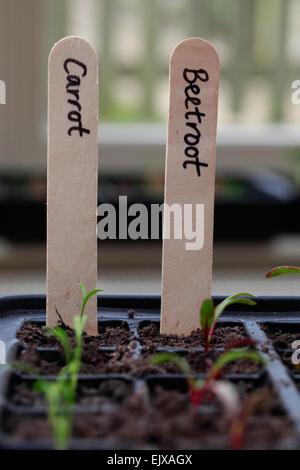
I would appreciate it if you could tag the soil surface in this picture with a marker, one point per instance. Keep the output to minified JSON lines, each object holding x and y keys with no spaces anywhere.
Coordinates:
{"x":149,"y":335}
{"x":167,"y":421}
{"x":104,"y":395}
{"x":124,"y":358}
{"x":123,"y":361}
{"x":33,"y":334}
{"x":282,"y":336}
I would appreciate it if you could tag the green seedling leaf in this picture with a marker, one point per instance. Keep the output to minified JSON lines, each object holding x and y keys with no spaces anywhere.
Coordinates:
{"x":40,"y":386}
{"x":194,"y":385}
{"x":24,"y":368}
{"x":63,"y":432}
{"x":79,"y":324}
{"x":197,"y":384}
{"x":63,"y":337}
{"x":282,"y":270}
{"x":83,"y":290}
{"x":233,"y":299}
{"x":234,"y":355}
{"x":160,"y":358}
{"x":75,"y":366}
{"x":60,"y":408}
{"x":86,"y":296}
{"x":207,"y":315}
{"x":216,"y":369}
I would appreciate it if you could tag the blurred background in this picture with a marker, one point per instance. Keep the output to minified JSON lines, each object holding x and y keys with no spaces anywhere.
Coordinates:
{"x":258,"y":145}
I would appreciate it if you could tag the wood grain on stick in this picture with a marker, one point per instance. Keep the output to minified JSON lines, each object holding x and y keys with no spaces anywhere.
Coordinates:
{"x":72,"y":180}
{"x":190,"y":179}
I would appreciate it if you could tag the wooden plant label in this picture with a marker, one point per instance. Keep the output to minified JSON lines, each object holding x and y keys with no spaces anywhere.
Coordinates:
{"x":190,"y":179}
{"x":72,"y":180}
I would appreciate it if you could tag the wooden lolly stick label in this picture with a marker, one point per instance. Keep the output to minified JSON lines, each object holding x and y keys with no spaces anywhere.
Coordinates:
{"x":190,"y":180}
{"x":72,"y":180}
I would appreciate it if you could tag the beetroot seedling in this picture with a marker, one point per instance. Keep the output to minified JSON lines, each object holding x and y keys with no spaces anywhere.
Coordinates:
{"x":239,"y":421}
{"x":237,"y":412}
{"x":194,"y":385}
{"x":282,"y":270}
{"x":199,"y":388}
{"x":216,"y":370}
{"x":210,"y":314}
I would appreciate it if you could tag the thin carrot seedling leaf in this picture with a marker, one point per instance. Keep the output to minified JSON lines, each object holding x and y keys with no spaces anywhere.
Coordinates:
{"x":60,"y":399}
{"x":63,"y":337}
{"x":61,"y":393}
{"x":86,"y":296}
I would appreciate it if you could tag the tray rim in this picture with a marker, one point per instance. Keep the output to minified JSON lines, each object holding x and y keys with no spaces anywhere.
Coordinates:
{"x":38,"y":302}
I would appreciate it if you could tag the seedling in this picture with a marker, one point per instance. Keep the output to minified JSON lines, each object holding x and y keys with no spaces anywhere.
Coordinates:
{"x":24,"y":368}
{"x":86,"y":296}
{"x":237,"y":412}
{"x":210,"y":313}
{"x":194,"y":385}
{"x":282,"y":270}
{"x":60,"y":397}
{"x":199,"y":388}
{"x":73,"y":357}
{"x":61,"y":393}
{"x":239,"y":421}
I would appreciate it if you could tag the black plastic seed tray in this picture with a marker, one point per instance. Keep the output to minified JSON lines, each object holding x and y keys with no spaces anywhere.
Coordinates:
{"x":268,"y":316}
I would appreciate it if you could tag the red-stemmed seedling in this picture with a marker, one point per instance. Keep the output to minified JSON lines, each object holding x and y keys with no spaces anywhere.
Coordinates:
{"x":237,"y":412}
{"x":199,"y":388}
{"x":210,"y":314}
{"x":282,"y":270}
